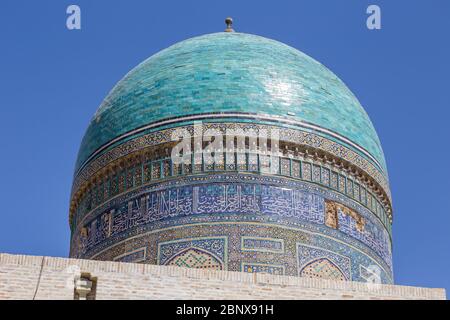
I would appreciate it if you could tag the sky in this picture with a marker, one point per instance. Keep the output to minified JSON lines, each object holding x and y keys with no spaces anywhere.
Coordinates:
{"x":53,"y":79}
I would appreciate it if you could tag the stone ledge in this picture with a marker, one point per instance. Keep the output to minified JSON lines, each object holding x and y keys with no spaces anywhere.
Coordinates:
{"x":17,"y":266}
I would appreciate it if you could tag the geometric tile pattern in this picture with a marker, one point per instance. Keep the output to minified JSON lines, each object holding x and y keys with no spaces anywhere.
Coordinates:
{"x":209,"y":253}
{"x":319,"y":263}
{"x":297,"y":168}
{"x":176,"y":241}
{"x":323,"y":211}
{"x":262,"y":268}
{"x":142,"y":175}
{"x":195,"y":258}
{"x":322,"y":268}
{"x":262,"y":244}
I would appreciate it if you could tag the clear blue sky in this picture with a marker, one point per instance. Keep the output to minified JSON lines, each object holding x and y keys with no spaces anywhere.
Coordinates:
{"x":52,"y":80}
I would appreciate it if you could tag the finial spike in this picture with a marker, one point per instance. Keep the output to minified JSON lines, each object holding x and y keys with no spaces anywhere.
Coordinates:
{"x":229,"y":22}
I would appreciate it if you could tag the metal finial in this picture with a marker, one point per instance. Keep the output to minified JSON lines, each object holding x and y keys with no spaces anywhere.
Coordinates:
{"x":229,"y":22}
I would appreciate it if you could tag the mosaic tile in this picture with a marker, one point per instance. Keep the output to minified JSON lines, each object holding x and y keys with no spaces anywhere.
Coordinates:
{"x":315,"y":210}
{"x":263,"y":268}
{"x":279,"y":79}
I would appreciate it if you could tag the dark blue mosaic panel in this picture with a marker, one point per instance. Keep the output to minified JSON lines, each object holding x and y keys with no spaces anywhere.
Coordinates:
{"x":271,"y":269}
{"x":134,"y":256}
{"x":217,"y":200}
{"x":212,"y":245}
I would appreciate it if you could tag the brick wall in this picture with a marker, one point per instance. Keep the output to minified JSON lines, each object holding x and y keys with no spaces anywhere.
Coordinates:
{"x":28,"y":277}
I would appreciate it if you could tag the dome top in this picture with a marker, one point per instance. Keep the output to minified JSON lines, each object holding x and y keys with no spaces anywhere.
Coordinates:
{"x":231,"y":73}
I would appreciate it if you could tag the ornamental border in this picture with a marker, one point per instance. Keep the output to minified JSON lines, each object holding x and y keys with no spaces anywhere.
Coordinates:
{"x":230,"y":177}
{"x":207,"y":116}
{"x":349,"y":186}
{"x":193,"y":220}
{"x":289,"y":135}
{"x":116,"y":258}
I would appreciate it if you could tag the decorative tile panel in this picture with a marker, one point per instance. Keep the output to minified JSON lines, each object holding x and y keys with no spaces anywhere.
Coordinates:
{"x":231,"y":73}
{"x":262,"y":244}
{"x":320,"y":263}
{"x":315,"y":210}
{"x":134,"y":256}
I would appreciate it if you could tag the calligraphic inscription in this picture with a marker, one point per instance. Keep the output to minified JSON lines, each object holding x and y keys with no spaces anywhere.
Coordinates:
{"x":215,"y":200}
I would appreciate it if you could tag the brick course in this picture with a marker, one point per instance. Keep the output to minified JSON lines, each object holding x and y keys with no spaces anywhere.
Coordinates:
{"x":28,"y":277}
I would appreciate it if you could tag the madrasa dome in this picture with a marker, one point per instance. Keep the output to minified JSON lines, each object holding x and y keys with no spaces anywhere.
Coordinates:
{"x":318,"y":206}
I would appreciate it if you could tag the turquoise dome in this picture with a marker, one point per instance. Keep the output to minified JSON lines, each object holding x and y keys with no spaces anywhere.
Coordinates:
{"x":320,"y":209}
{"x":230,"y":74}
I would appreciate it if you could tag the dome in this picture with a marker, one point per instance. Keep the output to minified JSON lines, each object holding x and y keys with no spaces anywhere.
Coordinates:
{"x":236,"y":74}
{"x":315,"y":204}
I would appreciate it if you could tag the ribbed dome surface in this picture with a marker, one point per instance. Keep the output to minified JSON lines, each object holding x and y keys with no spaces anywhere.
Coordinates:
{"x":233,"y":73}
